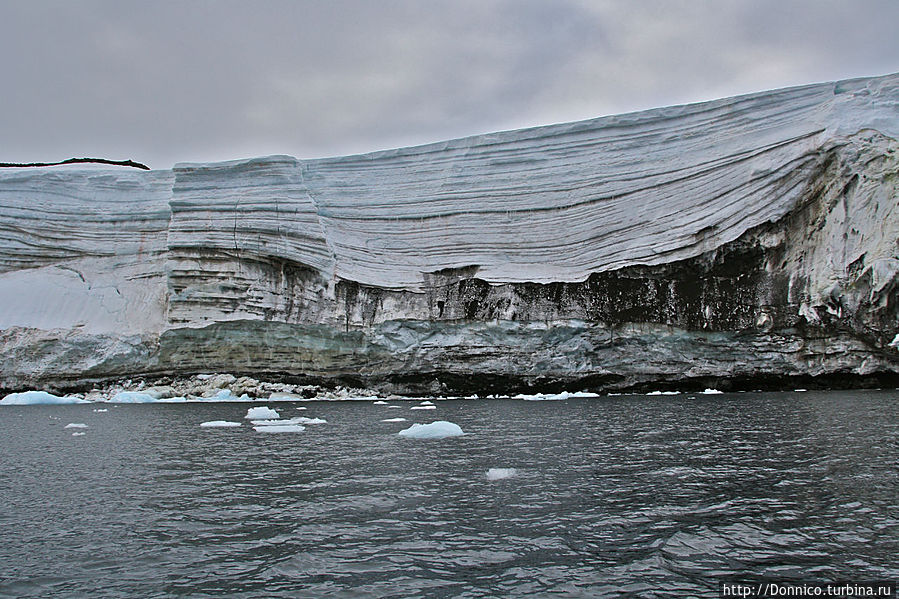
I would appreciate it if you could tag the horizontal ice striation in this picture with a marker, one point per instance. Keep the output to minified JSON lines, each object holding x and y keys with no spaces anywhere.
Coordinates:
{"x":244,"y":237}
{"x":48,"y":216}
{"x":557,"y":203}
{"x":83,"y":247}
{"x":770,"y":219}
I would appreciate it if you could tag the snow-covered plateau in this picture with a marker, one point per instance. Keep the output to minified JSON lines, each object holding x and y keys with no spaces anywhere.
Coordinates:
{"x":744,"y":241}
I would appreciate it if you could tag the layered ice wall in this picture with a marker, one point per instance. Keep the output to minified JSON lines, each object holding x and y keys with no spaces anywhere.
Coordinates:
{"x":530,"y":257}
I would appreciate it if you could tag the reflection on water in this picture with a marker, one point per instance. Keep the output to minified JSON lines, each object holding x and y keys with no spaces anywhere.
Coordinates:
{"x":647,"y":496}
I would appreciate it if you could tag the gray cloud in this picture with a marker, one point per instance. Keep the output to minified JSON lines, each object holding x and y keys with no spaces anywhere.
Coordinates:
{"x":168,"y":81}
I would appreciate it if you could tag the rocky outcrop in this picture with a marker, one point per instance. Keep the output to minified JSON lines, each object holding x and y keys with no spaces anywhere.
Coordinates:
{"x":748,"y":241}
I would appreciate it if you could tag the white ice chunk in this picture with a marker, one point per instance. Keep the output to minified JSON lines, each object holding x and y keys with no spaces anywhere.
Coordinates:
{"x":261,"y":413}
{"x":78,"y":434}
{"x":712,"y":392}
{"x":663,"y":393}
{"x":500,"y":473}
{"x":394,"y":407}
{"x":426,"y":403}
{"x":381,"y":402}
{"x":294,"y":420}
{"x":554,"y":396}
{"x":280,"y":428}
{"x":435,"y":430}
{"x":31,"y":398}
{"x":394,"y":420}
{"x":101,"y":410}
{"x":75,"y":425}
{"x":432,"y":407}
{"x":132,"y":397}
{"x":219,"y":424}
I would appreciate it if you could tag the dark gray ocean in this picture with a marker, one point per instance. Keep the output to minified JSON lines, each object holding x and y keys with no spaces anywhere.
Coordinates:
{"x":616,"y":496}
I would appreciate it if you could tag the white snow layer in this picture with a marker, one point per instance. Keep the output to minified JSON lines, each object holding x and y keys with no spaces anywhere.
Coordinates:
{"x":261,"y":413}
{"x":219,"y":424}
{"x":32,"y":398}
{"x":434,"y":430}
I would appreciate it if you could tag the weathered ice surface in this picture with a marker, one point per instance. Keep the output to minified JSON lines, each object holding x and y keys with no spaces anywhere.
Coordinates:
{"x":750,"y":241}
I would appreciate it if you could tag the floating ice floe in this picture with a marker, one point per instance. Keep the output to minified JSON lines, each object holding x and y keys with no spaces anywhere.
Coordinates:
{"x":33,"y":398}
{"x":75,"y":425}
{"x":554,"y":396}
{"x":394,"y":420}
{"x":712,"y":392}
{"x":280,"y":428}
{"x":261,"y":413}
{"x":219,"y":424}
{"x":663,"y":393}
{"x":394,"y":407}
{"x":426,"y":403}
{"x":101,"y":410}
{"x":799,"y":390}
{"x":500,"y":473}
{"x":289,"y":421}
{"x":434,"y":430}
{"x":431,"y":407}
{"x":78,"y":434}
{"x":380,"y":402}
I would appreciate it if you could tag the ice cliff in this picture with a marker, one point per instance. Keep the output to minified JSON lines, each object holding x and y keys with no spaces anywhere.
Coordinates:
{"x":753,"y":239}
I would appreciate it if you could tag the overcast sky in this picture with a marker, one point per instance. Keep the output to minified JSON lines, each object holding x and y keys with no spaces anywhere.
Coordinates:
{"x":162,"y":82}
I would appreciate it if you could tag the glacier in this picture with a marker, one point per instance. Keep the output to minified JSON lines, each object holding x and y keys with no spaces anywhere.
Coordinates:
{"x":744,"y":241}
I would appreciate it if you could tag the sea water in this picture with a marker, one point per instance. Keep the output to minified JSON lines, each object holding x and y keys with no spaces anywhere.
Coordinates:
{"x":657,"y":496}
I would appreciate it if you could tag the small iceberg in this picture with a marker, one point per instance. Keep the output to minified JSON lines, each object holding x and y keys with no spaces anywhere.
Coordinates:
{"x":431,"y":407}
{"x":262,"y":413}
{"x":426,"y":403}
{"x":435,"y":430}
{"x":34,"y":398}
{"x":101,"y":410}
{"x":554,"y":396}
{"x":78,"y":434}
{"x":295,"y":420}
{"x":219,"y":424}
{"x":75,"y":425}
{"x":712,"y":392}
{"x":132,"y":397}
{"x":394,"y":420}
{"x":500,"y":473}
{"x":663,"y":393}
{"x":380,"y":402}
{"x":280,"y":428}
